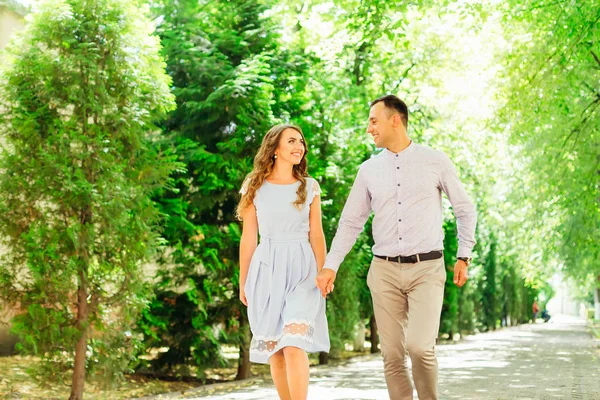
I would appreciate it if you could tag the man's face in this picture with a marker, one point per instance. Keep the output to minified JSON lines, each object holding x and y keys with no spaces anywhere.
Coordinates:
{"x":380,"y":125}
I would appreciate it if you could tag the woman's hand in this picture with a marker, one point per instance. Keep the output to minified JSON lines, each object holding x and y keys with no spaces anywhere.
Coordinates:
{"x":243,"y":297}
{"x":325,"y":280}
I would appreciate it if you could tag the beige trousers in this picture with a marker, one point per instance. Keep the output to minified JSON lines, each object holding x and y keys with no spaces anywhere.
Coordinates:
{"x":407,"y":300}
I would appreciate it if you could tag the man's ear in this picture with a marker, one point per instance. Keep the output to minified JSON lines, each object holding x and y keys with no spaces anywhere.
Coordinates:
{"x":396,"y":120}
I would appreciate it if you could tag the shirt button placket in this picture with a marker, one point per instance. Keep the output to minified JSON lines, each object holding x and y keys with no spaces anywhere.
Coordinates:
{"x":398,"y":186}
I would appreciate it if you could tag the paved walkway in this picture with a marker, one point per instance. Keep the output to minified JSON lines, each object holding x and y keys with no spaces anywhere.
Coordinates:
{"x":557,"y":360}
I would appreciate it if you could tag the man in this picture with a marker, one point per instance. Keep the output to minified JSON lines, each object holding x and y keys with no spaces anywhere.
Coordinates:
{"x":402,"y":185}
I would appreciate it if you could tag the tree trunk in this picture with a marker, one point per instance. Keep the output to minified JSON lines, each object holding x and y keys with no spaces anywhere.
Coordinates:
{"x":597,"y":302}
{"x":359,"y":336}
{"x":81,"y":347}
{"x":244,"y":360}
{"x":360,"y":59}
{"x":374,"y":335}
{"x":323,"y":358}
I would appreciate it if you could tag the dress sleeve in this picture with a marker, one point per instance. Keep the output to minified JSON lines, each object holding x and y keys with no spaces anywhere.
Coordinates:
{"x":316,"y":189}
{"x":244,"y":188}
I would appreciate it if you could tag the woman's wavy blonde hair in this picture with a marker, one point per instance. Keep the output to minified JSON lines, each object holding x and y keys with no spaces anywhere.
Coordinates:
{"x":263,"y":165}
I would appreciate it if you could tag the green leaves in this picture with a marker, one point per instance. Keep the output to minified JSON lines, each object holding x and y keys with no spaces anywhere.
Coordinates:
{"x":83,"y":85}
{"x":85,"y":90}
{"x":553,"y":106}
{"x":224,"y":76}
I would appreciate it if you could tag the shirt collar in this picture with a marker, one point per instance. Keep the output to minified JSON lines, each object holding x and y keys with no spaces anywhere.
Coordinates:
{"x":409,"y":149}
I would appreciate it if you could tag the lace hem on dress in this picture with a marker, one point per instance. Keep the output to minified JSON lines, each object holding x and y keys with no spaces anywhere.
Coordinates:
{"x":298,"y":329}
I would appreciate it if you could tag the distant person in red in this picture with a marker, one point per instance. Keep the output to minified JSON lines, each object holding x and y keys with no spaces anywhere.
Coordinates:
{"x":536,"y":310}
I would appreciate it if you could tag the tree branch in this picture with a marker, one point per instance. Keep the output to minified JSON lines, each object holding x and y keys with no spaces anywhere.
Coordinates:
{"x":403,"y":77}
{"x":543,"y":6}
{"x":591,"y":89}
{"x":580,"y":126}
{"x":595,"y":57}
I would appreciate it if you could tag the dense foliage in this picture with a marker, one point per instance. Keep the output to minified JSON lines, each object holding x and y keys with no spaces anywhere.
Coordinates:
{"x":81,"y":89}
{"x":509,"y":90}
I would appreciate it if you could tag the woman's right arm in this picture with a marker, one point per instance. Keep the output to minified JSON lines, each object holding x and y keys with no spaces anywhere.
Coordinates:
{"x":248,"y":243}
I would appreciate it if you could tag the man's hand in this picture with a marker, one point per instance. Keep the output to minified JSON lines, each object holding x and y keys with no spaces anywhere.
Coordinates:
{"x":460,"y":273}
{"x":325,"y":280}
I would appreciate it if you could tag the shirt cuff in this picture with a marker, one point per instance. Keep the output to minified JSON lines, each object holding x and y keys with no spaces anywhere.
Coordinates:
{"x":464,"y":252}
{"x":331,"y":265}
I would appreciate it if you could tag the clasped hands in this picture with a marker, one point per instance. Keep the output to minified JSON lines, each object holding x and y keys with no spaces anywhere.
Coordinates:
{"x":324,"y":281}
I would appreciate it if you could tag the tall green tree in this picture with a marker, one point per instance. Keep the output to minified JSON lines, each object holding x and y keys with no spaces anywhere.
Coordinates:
{"x":551,"y":111}
{"x":449,"y":317}
{"x":489,"y":293}
{"x":82,"y":87}
{"x":233,"y":81}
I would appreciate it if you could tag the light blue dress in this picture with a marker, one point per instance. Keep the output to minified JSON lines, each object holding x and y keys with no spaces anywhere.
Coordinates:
{"x":285,"y":307}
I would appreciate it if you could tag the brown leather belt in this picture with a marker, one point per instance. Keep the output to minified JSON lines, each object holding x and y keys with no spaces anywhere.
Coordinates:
{"x":415,"y":258}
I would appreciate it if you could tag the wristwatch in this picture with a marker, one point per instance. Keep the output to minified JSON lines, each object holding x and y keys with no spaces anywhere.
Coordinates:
{"x":467,"y":260}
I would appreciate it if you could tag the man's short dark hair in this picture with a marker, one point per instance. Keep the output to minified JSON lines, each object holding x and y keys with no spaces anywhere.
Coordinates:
{"x":393,"y":103}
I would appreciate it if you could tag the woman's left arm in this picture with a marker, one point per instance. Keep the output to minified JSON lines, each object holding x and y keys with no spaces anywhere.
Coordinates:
{"x":316,"y":235}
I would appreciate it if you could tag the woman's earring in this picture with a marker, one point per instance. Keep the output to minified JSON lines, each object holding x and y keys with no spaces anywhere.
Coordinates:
{"x":275,"y":156}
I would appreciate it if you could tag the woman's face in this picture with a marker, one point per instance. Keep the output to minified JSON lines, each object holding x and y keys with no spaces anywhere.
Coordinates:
{"x":291,"y":147}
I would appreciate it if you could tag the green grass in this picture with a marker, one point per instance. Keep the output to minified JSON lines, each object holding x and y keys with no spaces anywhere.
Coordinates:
{"x":16,"y":383}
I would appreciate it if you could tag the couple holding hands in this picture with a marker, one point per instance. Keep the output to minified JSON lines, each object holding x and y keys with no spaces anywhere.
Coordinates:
{"x":285,"y":278}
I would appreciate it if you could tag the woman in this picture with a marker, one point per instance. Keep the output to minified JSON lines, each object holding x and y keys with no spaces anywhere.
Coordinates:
{"x":277,"y":277}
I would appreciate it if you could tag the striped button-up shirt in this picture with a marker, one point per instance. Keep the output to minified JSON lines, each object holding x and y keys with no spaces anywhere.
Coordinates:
{"x":404,"y":191}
